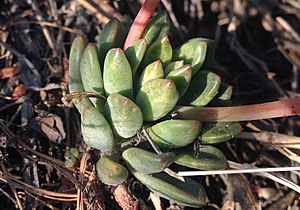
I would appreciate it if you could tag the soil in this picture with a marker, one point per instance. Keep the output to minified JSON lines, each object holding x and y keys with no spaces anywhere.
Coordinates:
{"x":257,"y":52}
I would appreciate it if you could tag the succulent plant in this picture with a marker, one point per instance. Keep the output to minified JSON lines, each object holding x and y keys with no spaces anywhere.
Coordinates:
{"x":71,"y":156}
{"x":135,"y":92}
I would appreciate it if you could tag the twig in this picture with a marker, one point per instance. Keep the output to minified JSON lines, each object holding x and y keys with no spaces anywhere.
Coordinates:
{"x":102,"y":18}
{"x":54,"y":25}
{"x":294,"y":86}
{"x":282,"y":108}
{"x":284,"y":202}
{"x":174,"y":20}
{"x":284,"y":24}
{"x":23,"y":58}
{"x":53,"y":9}
{"x":156,"y":148}
{"x":46,"y":32}
{"x":79,"y":95}
{"x":38,"y":191}
{"x":198,"y":5}
{"x":240,"y":168}
{"x":82,"y":168}
{"x":41,"y":201}
{"x":289,"y":154}
{"x":56,"y":163}
{"x":11,"y":21}
{"x":280,"y":180}
{"x":10,"y":183}
{"x":275,"y":139}
{"x":107,"y":8}
{"x":8,"y":196}
{"x":156,"y":201}
{"x":174,"y":174}
{"x":19,"y":101}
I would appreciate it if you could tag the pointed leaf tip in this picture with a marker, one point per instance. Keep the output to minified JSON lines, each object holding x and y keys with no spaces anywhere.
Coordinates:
{"x":169,"y":83}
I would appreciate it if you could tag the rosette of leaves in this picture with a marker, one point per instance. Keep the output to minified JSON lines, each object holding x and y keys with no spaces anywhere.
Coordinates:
{"x":139,"y":88}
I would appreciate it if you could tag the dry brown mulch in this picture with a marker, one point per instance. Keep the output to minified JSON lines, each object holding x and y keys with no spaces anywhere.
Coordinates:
{"x":258,"y":52}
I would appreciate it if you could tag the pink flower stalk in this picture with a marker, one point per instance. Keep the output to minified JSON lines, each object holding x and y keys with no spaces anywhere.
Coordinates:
{"x":282,"y":108}
{"x":140,"y":21}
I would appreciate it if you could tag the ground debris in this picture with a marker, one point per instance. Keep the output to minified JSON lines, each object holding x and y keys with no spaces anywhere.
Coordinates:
{"x":257,"y":51}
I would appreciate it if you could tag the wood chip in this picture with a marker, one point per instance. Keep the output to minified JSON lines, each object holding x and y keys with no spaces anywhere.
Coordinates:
{"x":8,"y":72}
{"x":51,"y":126}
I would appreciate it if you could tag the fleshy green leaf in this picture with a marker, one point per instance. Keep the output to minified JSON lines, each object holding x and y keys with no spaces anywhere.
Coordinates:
{"x":124,"y":116}
{"x":152,"y":71}
{"x":147,"y":162}
{"x":157,"y":28}
{"x":110,"y":37}
{"x":171,"y":134}
{"x":192,"y":52}
{"x":156,"y":98}
{"x":203,"y":88}
{"x":135,"y":54}
{"x":111,"y":172}
{"x":223,"y":96}
{"x":182,"y":78}
{"x":159,"y":50}
{"x":117,"y":75}
{"x":215,"y":132}
{"x":209,"y":158}
{"x":187,"y":192}
{"x":96,"y":131}
{"x":77,"y":49}
{"x":173,"y":65}
{"x":91,"y":75}
{"x":75,"y":82}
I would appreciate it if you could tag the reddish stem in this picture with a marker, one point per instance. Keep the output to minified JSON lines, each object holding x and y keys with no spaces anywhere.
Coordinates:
{"x":141,"y":21}
{"x":283,"y":108}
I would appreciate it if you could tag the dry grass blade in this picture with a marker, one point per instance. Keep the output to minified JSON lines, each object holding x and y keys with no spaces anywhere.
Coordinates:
{"x":37,"y":191}
{"x":278,"y":179}
{"x":54,"y":25}
{"x":154,"y":146}
{"x":8,"y":196}
{"x":46,"y":32}
{"x":289,"y":154}
{"x":257,"y":52}
{"x":32,"y":189}
{"x":107,"y":8}
{"x":11,"y":184}
{"x":283,"y":181}
{"x":275,"y":139}
{"x":43,"y":202}
{"x":82,"y":169}
{"x":21,"y":57}
{"x":174,"y":20}
{"x":102,"y":18}
{"x":283,"y":23}
{"x":240,"y":168}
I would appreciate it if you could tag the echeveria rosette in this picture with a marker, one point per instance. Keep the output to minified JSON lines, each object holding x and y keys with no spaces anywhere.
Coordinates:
{"x":142,"y":86}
